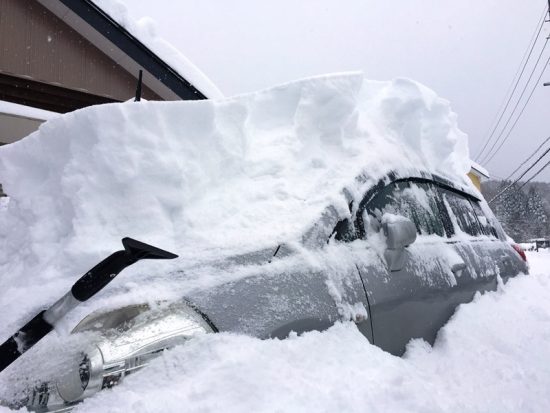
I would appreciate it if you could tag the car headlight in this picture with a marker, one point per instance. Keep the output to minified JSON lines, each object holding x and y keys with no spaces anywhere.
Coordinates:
{"x":130,"y":338}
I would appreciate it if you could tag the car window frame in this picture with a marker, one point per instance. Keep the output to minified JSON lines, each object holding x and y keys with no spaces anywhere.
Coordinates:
{"x":463,"y":226}
{"x":494,"y":230}
{"x":349,"y":230}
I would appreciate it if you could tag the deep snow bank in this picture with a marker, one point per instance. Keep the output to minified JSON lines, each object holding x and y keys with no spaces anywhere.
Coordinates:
{"x":204,"y":179}
{"x":492,"y":356}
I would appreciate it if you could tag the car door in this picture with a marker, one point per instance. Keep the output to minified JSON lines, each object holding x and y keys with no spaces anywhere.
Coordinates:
{"x":416,"y":300}
{"x":477,"y":245}
{"x":475,"y":237}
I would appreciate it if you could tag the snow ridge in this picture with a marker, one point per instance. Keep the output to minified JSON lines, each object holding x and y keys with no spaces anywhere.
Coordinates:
{"x":205,"y":179}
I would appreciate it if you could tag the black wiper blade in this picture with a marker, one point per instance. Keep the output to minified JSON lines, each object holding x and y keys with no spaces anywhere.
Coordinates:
{"x":86,"y":287}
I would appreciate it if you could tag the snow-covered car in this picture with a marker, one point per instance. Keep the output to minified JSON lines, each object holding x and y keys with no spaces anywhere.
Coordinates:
{"x":402,"y":286}
{"x":367,"y":218}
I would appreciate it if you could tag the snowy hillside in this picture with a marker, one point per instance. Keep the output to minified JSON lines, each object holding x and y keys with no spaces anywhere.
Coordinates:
{"x":524,"y":210}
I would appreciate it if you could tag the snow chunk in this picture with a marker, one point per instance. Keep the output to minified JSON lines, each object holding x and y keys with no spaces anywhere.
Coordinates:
{"x":206,"y":179}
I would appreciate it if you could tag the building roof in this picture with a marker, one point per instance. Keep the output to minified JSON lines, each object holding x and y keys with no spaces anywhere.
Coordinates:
{"x":14,"y":109}
{"x":120,"y":38}
{"x":18,"y":121}
{"x":480,"y":170}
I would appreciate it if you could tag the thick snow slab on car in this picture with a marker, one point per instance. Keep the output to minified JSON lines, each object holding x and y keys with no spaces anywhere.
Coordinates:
{"x":204,"y":179}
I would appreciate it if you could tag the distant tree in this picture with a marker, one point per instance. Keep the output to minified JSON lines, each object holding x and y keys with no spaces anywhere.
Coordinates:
{"x":511,"y":210}
{"x":537,"y":225}
{"x":524,"y":213}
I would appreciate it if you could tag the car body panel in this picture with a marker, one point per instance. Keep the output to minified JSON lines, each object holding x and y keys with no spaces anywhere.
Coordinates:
{"x":273,"y":305}
{"x":443,"y":268}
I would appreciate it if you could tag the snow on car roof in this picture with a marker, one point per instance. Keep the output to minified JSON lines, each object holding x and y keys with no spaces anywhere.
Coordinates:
{"x":207,"y":179}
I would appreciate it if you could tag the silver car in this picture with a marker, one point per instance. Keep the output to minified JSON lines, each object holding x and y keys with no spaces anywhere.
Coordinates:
{"x":418,"y":246}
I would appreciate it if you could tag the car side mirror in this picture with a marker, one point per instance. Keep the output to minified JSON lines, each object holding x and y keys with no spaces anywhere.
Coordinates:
{"x":400,"y":232}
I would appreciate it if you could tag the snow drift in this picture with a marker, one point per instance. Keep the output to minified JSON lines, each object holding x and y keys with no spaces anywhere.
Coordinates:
{"x":204,"y":179}
{"x":478,"y":364}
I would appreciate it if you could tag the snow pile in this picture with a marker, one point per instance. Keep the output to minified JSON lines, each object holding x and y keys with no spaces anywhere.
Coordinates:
{"x":481,"y":362}
{"x":204,"y":179}
{"x":145,"y":31}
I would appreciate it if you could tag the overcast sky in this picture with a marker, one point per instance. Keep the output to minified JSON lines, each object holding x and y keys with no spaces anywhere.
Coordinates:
{"x":468,"y":51}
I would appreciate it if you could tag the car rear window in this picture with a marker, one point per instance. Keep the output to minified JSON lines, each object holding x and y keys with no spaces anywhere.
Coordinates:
{"x":486,"y":226}
{"x":462,"y":213}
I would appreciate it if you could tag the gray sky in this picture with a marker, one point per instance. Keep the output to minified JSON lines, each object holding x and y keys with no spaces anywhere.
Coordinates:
{"x":468,"y":51}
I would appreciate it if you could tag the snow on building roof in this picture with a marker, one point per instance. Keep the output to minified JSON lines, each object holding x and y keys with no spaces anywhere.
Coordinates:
{"x":480,"y":169}
{"x":17,"y":121}
{"x":134,"y":46}
{"x":15,"y":109}
{"x":144,"y":31}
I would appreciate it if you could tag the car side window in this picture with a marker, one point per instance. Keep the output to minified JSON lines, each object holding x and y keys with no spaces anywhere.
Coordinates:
{"x":413,"y":200}
{"x":463,"y":213}
{"x":486,"y":227}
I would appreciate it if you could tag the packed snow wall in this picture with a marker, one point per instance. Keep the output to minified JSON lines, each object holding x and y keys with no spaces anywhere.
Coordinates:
{"x":206,"y":178}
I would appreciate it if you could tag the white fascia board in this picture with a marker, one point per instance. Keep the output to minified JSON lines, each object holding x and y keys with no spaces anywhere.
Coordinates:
{"x":107,"y":47}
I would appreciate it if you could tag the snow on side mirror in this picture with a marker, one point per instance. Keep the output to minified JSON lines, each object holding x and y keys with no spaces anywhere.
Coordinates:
{"x":400,"y":232}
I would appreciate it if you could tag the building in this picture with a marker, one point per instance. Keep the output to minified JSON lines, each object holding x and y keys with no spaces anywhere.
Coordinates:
{"x":537,"y":243}
{"x":478,"y":174}
{"x":62,"y":55}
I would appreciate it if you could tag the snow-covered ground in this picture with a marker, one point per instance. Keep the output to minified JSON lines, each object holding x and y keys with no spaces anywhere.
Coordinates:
{"x":492,"y":356}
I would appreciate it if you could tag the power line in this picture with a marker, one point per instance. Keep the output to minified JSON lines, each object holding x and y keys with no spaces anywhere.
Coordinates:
{"x":521,"y":112}
{"x":516,"y":221}
{"x":527,"y":53}
{"x":533,"y":177}
{"x":521,"y":176}
{"x":532,"y":44}
{"x":488,"y":155}
{"x":527,"y":160}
